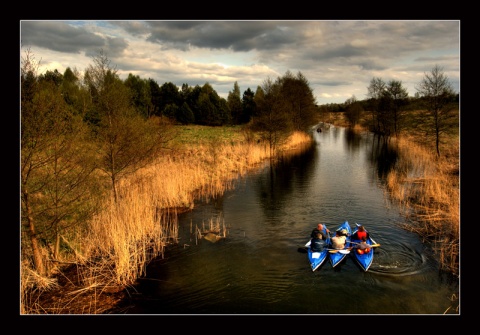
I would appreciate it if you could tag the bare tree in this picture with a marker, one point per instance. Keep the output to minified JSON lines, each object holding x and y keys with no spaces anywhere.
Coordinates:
{"x":397,"y":95}
{"x":375,"y":91}
{"x":30,"y":143}
{"x":437,"y":96}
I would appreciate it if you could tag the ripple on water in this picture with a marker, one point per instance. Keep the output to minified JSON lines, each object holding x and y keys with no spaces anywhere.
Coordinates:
{"x":398,"y":260}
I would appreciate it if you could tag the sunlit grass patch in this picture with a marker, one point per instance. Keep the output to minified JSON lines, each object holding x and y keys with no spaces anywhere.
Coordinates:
{"x":197,"y":134}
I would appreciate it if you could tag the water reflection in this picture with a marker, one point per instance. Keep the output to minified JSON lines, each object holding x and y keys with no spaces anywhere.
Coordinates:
{"x":382,"y":155}
{"x":353,"y":140}
{"x":257,"y":268}
{"x":284,"y":175}
{"x":378,"y":149}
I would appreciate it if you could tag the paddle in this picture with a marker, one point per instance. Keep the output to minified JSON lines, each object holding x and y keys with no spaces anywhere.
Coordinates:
{"x":371,"y":245}
{"x":303,"y":250}
{"x":342,"y":251}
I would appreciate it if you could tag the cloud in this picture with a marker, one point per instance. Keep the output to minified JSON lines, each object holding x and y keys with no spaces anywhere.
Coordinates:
{"x":339,"y":58}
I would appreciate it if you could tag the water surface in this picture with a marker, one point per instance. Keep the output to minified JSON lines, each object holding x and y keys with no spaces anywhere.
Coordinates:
{"x":259,"y":269}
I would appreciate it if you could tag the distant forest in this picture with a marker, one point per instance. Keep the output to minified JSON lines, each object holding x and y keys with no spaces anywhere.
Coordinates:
{"x":203,"y":106}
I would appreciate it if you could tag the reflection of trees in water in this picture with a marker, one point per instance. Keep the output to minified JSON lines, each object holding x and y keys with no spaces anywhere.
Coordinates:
{"x":336,"y":131}
{"x":380,"y":153}
{"x":353,"y":140}
{"x":297,"y":167}
{"x":293,"y":168}
{"x":383,"y":155}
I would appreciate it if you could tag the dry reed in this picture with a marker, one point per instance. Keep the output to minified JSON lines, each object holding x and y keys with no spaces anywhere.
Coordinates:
{"x":126,"y":235}
{"x":427,"y":188}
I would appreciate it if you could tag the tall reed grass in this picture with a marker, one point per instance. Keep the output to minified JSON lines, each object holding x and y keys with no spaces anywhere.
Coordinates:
{"x":427,"y":187}
{"x":118,"y":243}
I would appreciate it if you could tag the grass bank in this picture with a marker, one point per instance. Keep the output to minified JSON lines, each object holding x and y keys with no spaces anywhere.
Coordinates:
{"x":112,"y":250}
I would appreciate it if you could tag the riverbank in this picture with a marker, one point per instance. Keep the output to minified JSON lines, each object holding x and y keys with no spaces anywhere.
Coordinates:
{"x":427,"y":188}
{"x":158,"y":192}
{"x":125,"y":236}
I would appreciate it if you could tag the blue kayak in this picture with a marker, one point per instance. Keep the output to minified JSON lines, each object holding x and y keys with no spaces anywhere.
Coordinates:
{"x":364,"y":260}
{"x":337,"y":256}
{"x":317,"y":258}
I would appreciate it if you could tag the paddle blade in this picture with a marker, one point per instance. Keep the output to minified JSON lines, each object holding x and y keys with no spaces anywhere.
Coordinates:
{"x":302,"y":250}
{"x":342,"y":251}
{"x":375,"y":245}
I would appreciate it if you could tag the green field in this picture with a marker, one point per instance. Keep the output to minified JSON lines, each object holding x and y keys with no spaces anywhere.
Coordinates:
{"x":206,"y":135}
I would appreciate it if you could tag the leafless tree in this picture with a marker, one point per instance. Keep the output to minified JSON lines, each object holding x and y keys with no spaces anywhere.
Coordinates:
{"x":437,"y":96}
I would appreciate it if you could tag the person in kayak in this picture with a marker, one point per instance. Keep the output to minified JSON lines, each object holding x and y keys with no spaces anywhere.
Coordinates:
{"x":338,"y":241}
{"x":319,"y":228}
{"x":318,"y":242}
{"x":363,"y":247}
{"x":360,"y":233}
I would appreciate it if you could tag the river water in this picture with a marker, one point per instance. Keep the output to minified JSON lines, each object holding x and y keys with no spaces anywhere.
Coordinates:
{"x":259,"y":266}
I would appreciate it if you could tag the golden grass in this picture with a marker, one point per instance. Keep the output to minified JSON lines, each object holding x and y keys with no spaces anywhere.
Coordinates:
{"x":125,"y":236}
{"x":137,"y":228}
{"x":427,"y":187}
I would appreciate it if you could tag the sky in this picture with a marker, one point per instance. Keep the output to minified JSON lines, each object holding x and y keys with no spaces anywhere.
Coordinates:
{"x":339,"y":58}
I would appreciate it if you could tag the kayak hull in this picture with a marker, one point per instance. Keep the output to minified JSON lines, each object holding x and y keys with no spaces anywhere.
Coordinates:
{"x":337,"y":257}
{"x":364,"y":260}
{"x":318,"y":258}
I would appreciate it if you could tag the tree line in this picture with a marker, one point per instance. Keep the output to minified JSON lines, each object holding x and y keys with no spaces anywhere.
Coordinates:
{"x":82,"y":134}
{"x":433,"y":111}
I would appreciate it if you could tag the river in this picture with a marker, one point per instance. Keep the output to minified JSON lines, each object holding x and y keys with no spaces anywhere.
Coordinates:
{"x":259,"y":266}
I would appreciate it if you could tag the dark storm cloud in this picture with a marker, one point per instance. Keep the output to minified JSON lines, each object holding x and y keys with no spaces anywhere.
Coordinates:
{"x":338,"y":56}
{"x":58,"y":36}
{"x":236,"y":35}
{"x":114,"y":47}
{"x":63,"y":37}
{"x":412,"y":36}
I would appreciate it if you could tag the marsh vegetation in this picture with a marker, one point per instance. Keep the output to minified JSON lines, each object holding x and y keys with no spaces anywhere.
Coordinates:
{"x":106,"y":166}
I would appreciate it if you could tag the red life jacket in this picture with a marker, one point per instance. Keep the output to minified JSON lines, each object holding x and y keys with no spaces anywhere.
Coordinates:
{"x":361,"y":234}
